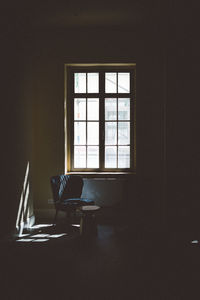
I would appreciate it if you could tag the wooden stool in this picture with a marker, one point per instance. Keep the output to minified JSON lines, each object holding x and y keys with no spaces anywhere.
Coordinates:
{"x":88,"y":225}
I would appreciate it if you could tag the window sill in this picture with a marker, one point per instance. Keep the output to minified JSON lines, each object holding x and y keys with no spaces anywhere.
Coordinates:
{"x":103,"y":175}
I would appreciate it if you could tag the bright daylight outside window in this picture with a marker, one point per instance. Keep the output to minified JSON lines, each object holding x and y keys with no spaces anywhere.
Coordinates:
{"x":100,"y":118}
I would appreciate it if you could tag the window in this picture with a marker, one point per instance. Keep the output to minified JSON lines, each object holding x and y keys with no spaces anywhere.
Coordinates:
{"x":100,"y":118}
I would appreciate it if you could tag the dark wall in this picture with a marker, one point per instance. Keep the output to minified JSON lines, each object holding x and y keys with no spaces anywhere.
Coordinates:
{"x":165,"y":47}
{"x":183,"y":146}
{"x":16,"y":124}
{"x":50,"y":51}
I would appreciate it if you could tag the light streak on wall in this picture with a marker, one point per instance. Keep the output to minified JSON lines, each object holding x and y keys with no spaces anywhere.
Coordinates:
{"x":23,"y":210}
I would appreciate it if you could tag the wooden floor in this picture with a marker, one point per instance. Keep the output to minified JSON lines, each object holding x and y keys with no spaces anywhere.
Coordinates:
{"x":49,"y":263}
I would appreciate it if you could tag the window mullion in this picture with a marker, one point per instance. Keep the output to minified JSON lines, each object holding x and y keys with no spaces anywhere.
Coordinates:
{"x":117,"y":131}
{"x":117,"y":119}
{"x":101,"y":119}
{"x":86,"y":127}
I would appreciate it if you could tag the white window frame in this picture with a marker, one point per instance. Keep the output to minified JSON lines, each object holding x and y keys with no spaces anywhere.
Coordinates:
{"x":69,"y":121}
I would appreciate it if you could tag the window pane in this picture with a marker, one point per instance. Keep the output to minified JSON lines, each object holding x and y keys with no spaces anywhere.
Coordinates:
{"x":80,"y":82}
{"x":79,"y":133}
{"x":92,"y":157}
{"x":93,"y":133}
{"x":93,"y":82}
{"x":124,"y":108}
{"x":110,"y":109}
{"x":80,"y":157}
{"x":111,"y":82}
{"x":123,"y":82}
{"x":110,"y":133}
{"x":111,"y":157}
{"x":93,"y":109}
{"x":123,"y":157}
{"x":123,"y":133}
{"x":79,"y":109}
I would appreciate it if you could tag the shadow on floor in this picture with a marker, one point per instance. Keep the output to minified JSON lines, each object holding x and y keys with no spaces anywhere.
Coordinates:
{"x":50,"y":263}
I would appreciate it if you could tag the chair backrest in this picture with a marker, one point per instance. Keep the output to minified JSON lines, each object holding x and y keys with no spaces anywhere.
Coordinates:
{"x":66,"y":186}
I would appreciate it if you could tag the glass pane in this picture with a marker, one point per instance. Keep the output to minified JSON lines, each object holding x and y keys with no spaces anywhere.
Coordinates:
{"x":110,"y":133}
{"x":93,"y":133}
{"x":123,"y":157}
{"x":124,"y":133}
{"x":80,"y":82}
{"x":93,"y":82}
{"x":79,"y":109}
{"x":80,"y":157}
{"x":123,"y":82}
{"x":93,"y":109}
{"x":123,"y":109}
{"x":111,"y":82}
{"x":111,"y":157}
{"x":92,"y":157}
{"x":110,"y":109}
{"x":79,"y":133}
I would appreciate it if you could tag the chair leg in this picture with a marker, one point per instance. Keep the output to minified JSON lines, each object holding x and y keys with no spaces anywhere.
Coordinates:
{"x":68,"y":215}
{"x":74,"y":216}
{"x":55,"y":218}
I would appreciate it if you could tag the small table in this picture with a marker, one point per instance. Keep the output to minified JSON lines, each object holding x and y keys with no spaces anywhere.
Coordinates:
{"x":88,"y":225}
